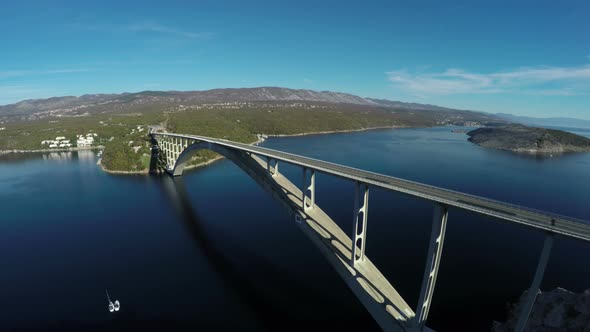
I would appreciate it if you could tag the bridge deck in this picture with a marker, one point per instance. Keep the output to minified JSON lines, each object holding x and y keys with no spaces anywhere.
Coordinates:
{"x":542,"y":220}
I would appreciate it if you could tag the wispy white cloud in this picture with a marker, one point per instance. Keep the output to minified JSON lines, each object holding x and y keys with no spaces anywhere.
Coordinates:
{"x":163,"y":29}
{"x":138,"y":62}
{"x":308,"y":81}
{"x":532,"y":80}
{"x":19,"y":73}
{"x":144,"y":27}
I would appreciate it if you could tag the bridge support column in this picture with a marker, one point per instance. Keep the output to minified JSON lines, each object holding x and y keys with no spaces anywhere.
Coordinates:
{"x":167,"y":151}
{"x":308,"y":186}
{"x":171,"y":153}
{"x":359,"y":229}
{"x":174,"y":149}
{"x":272,"y":170}
{"x":527,"y":306}
{"x":437,"y":237}
{"x":171,"y":145}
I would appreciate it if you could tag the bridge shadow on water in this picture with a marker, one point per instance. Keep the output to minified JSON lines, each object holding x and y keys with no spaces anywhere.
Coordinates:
{"x":253,"y":279}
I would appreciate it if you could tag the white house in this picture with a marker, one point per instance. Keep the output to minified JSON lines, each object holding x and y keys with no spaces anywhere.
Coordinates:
{"x":83,"y":143}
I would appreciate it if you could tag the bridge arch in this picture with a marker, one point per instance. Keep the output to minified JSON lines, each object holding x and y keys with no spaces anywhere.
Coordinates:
{"x":383,"y":302}
{"x":191,"y":150}
{"x":252,"y":165}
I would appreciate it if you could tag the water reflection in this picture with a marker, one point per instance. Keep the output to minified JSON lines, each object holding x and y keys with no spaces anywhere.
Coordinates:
{"x":62,"y":157}
{"x":86,"y":156}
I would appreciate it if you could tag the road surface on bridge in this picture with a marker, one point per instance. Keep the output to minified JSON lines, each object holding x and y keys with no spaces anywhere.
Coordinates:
{"x":557,"y":224}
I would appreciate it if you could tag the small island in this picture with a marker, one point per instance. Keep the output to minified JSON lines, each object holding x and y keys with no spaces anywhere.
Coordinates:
{"x":519,"y":138}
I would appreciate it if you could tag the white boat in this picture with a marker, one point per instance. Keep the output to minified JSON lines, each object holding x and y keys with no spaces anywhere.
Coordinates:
{"x":113,"y":306}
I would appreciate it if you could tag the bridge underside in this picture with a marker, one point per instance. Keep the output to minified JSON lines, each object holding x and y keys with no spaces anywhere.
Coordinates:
{"x":380,"y":298}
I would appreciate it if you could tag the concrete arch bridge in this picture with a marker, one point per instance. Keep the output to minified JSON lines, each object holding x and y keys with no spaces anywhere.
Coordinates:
{"x":345,"y":249}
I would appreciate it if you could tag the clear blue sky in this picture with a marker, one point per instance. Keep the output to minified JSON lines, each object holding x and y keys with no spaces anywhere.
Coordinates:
{"x":531,"y":58}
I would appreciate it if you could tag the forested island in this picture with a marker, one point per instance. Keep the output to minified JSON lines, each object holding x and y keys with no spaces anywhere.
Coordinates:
{"x":520,"y":138}
{"x":119,"y":122}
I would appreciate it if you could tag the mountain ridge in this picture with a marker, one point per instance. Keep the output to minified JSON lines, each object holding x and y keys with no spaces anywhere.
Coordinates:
{"x":551,"y":121}
{"x":256,"y":94}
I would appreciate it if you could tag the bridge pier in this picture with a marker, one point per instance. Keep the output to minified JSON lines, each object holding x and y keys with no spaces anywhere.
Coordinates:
{"x":174,"y":148}
{"x":172,"y":155}
{"x":308,"y":186}
{"x":359,"y":230}
{"x":272,"y":170}
{"x":167,"y":152}
{"x":437,"y":236}
{"x":527,"y":306}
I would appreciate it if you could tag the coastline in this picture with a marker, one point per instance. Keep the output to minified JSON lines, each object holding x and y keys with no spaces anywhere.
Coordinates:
{"x":337,"y":131}
{"x":99,"y":147}
{"x":147,"y":171}
{"x":202,"y":164}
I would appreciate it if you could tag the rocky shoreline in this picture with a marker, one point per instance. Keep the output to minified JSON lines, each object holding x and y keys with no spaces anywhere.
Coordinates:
{"x":147,"y":171}
{"x":556,"y":310}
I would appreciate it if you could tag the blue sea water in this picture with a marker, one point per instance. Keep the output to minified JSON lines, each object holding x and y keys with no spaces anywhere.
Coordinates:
{"x":212,"y":250}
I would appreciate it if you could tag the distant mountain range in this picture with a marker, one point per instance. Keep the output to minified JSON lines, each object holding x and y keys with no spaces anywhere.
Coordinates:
{"x":75,"y":105}
{"x":545,"y":122}
{"x":88,"y":104}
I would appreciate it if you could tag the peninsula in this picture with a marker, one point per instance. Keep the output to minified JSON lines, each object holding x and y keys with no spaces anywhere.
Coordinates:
{"x":519,"y":138}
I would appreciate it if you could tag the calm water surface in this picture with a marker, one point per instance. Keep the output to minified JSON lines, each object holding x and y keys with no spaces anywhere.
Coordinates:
{"x":212,"y":250}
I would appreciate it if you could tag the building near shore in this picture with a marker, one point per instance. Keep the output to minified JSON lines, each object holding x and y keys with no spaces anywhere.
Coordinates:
{"x":84,"y":141}
{"x":59,"y":142}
